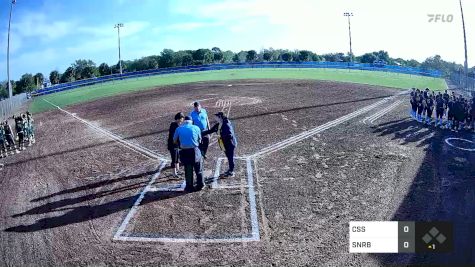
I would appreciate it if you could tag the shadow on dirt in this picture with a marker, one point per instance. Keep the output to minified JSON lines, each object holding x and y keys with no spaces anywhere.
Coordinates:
{"x":442,"y":190}
{"x":77,"y":214}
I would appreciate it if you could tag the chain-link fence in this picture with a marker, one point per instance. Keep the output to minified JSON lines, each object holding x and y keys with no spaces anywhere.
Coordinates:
{"x":9,"y":106}
{"x":461,"y":82}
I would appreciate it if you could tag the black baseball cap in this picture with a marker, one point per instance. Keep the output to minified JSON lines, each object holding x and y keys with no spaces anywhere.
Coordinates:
{"x":219,"y":114}
{"x":179,"y":115}
{"x":196,"y":104}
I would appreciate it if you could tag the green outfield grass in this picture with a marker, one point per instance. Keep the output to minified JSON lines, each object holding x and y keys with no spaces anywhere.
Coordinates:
{"x":84,"y":94}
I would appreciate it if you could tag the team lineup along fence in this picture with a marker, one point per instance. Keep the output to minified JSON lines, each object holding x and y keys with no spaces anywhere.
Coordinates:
{"x":258,"y":65}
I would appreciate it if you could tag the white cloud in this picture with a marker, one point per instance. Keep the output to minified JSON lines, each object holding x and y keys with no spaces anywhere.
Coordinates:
{"x":38,"y":25}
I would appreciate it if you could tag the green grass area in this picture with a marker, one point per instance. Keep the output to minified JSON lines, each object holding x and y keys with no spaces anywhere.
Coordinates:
{"x":84,"y":94}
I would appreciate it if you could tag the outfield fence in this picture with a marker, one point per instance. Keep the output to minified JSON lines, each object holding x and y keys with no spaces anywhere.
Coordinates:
{"x":10,"y":105}
{"x":258,"y":65}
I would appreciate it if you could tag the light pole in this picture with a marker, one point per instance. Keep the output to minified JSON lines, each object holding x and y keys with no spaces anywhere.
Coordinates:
{"x":10,"y":93}
{"x":465,"y":78}
{"x":118,"y":26}
{"x":349,"y":14}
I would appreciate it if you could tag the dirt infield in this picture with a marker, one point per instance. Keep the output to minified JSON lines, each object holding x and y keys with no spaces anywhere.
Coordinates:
{"x":80,"y":198}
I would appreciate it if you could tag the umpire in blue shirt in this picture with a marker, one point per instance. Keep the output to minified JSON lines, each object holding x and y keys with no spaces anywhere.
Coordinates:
{"x":200,"y":119}
{"x":189,"y":138}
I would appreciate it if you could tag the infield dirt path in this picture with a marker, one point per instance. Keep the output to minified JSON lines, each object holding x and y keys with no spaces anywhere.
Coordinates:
{"x":64,"y":198}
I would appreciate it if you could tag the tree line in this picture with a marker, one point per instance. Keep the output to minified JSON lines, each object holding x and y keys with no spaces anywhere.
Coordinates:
{"x":86,"y":69}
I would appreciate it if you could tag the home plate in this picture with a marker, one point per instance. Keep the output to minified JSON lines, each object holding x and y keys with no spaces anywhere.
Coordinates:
{"x":170,"y":188}
{"x":229,"y":85}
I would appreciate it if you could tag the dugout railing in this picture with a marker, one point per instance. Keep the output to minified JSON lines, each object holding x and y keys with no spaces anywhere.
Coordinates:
{"x":257,"y":65}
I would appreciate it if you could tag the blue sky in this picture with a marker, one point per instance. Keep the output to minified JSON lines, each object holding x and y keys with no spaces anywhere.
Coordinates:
{"x":51,"y":34}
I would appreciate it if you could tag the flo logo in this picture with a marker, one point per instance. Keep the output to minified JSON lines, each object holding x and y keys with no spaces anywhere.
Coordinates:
{"x":440,"y":17}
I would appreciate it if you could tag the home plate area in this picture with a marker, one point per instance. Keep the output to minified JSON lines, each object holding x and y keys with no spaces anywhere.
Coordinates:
{"x":225,"y":211}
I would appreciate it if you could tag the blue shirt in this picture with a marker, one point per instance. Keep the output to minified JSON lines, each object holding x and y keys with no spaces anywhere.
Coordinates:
{"x":200,"y":119}
{"x":188,"y":134}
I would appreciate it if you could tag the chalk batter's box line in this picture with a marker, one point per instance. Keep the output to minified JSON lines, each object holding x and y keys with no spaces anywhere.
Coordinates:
{"x":215,"y":183}
{"x":150,"y":237}
{"x":137,"y":202}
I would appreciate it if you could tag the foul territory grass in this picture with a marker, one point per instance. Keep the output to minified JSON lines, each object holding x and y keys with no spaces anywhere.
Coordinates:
{"x":84,"y":94}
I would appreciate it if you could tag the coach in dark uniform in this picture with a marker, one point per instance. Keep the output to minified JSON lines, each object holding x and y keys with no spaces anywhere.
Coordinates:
{"x":172,"y":147}
{"x":226,"y":139}
{"x":189,"y":138}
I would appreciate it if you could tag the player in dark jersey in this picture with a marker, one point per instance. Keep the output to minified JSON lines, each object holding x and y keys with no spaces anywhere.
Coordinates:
{"x":413,"y":104}
{"x":459,"y":114}
{"x":9,"y":138}
{"x":439,"y":109}
{"x":446,"y":98}
{"x":3,"y":147}
{"x":466,"y":116}
{"x":429,"y":109}
{"x":426,"y":93}
{"x":31,"y":128}
{"x":20,"y":131}
{"x":450,"y":113}
{"x":472,"y":114}
{"x":420,"y":107}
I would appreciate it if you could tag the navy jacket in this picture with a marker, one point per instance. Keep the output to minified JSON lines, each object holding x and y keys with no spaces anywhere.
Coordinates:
{"x":171,"y":131}
{"x":227,"y":133}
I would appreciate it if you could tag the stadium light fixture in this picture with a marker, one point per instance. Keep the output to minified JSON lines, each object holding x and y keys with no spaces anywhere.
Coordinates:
{"x":118,"y":26}
{"x":465,"y":83}
{"x":349,"y":14}
{"x":10,"y":91}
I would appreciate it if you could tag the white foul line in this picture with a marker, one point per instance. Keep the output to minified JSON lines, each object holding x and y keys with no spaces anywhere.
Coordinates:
{"x":299,"y":137}
{"x":134,"y":208}
{"x":135,"y":147}
{"x":379,"y":114}
{"x":252,"y":201}
{"x":387,"y":110}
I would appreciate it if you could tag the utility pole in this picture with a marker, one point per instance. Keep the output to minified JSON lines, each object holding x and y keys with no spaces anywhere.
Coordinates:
{"x":118,"y":26}
{"x":465,"y":44}
{"x":10,"y":93}
{"x":349,"y":14}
